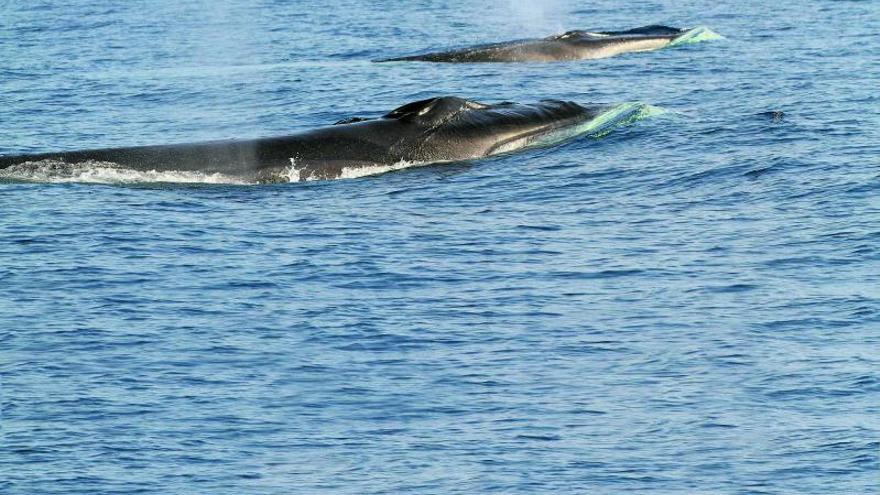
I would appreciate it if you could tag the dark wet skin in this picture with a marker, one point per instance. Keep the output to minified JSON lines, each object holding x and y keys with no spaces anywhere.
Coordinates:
{"x":572,"y":45}
{"x":427,"y":131}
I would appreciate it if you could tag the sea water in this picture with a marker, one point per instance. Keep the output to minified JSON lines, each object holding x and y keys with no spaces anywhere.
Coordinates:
{"x":686,"y":304}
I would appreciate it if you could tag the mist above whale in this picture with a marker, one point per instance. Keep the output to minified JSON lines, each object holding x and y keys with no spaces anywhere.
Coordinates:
{"x":428,"y":131}
{"x":572,"y":45}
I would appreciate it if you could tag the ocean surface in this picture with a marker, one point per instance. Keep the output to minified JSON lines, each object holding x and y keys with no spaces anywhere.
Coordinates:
{"x":688,"y":304}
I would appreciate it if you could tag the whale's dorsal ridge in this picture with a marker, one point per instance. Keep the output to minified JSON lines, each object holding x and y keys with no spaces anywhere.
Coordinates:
{"x":432,"y":110}
{"x":573,"y":34}
{"x":578,"y":34}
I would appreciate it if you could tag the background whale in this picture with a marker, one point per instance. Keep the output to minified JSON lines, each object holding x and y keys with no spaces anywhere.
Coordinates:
{"x":427,"y":131}
{"x":573,"y":45}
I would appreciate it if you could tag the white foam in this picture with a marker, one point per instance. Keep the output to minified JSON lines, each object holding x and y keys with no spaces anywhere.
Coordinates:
{"x":294,"y":174}
{"x":357,"y":172}
{"x":96,"y":172}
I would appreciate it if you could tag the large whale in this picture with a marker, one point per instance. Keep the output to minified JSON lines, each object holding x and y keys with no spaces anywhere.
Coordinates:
{"x":573,"y":45}
{"x":427,"y":131}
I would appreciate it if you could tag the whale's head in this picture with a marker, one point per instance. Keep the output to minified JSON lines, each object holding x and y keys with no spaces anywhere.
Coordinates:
{"x":451,"y":112}
{"x":450,"y":128}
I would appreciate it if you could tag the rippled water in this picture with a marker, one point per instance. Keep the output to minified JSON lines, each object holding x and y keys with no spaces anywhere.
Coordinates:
{"x":690,"y":304}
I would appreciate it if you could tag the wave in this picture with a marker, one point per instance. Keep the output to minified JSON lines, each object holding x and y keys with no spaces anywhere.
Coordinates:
{"x":96,"y":172}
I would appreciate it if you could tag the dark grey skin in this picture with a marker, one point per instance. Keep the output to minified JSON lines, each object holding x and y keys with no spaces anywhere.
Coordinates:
{"x":573,"y":45}
{"x":428,"y":131}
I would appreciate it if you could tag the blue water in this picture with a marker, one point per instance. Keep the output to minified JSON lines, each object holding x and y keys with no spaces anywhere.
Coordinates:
{"x":690,"y":304}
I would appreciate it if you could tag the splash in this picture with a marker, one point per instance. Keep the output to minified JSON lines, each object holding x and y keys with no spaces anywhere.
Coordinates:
{"x":294,"y":174}
{"x":696,"y":35}
{"x":97,"y":172}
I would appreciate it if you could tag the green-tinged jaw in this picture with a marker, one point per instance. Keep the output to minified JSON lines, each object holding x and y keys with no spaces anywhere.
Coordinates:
{"x":614,"y":116}
{"x":696,"y":35}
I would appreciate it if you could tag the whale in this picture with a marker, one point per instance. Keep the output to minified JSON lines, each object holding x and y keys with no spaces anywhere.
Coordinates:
{"x":572,"y":45}
{"x":434,"y":130}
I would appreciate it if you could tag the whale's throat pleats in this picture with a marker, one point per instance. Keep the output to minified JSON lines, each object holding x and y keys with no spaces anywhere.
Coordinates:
{"x":433,"y":111}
